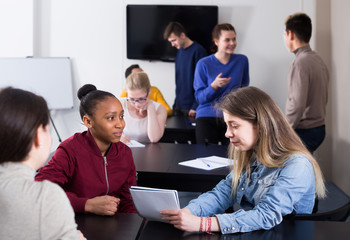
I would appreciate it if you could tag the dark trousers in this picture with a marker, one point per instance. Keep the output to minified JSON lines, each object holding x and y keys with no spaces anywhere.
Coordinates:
{"x":211,"y":130}
{"x":312,"y":137}
{"x":180,"y":112}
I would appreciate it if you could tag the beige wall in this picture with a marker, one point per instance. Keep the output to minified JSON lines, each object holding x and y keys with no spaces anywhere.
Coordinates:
{"x":332,"y":42}
{"x":322,"y":39}
{"x":340,"y":61}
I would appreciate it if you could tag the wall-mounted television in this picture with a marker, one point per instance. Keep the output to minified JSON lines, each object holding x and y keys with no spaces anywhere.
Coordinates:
{"x":145,"y":25}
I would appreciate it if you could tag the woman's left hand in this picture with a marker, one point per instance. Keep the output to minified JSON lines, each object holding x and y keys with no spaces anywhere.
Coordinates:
{"x":143,"y":109}
{"x":150,"y":107}
{"x":182,"y":219}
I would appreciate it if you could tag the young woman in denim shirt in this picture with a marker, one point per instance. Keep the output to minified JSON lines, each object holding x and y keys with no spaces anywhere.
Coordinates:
{"x":273,"y":175}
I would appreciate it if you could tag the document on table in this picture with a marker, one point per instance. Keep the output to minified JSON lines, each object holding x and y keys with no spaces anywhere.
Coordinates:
{"x":207,"y":163}
{"x":134,"y":143}
{"x":150,"y":201}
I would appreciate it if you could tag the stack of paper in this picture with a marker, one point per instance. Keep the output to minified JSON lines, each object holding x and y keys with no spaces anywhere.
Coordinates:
{"x":150,"y":201}
{"x":134,"y":143}
{"x":207,"y":163}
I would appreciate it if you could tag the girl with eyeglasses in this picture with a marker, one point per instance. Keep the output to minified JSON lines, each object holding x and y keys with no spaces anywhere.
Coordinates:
{"x":94,"y":168}
{"x":145,"y":119}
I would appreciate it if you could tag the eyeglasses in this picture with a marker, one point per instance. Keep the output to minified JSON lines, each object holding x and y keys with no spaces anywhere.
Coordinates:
{"x":137,"y":100}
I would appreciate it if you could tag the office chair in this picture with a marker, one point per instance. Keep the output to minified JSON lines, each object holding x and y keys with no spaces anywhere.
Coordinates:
{"x":338,"y":215}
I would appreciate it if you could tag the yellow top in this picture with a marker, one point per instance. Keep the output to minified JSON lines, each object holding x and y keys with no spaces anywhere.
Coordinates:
{"x":156,"y":96}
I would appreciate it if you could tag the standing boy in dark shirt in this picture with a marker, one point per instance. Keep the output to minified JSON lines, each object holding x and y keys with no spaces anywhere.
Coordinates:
{"x":189,"y":52}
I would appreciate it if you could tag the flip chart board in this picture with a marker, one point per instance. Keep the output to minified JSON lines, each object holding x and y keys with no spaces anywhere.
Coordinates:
{"x":50,"y":78}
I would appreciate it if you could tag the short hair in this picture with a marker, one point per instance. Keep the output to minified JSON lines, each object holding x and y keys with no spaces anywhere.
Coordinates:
{"x":138,"y":80}
{"x":300,"y":24}
{"x":89,"y":97}
{"x":21,"y":114}
{"x":128,"y":71}
{"x":216,"y":33}
{"x":173,"y":27}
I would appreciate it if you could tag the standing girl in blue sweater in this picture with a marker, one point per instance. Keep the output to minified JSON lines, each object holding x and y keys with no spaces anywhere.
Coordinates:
{"x":215,"y":76}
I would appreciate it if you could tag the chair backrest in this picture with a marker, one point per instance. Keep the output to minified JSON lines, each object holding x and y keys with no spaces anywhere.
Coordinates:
{"x":339,"y":214}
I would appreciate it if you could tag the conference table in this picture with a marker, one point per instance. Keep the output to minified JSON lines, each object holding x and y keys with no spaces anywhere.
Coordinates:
{"x":157,"y":165}
{"x":287,"y":230}
{"x":179,"y":129}
{"x":128,"y":226}
{"x":122,"y":226}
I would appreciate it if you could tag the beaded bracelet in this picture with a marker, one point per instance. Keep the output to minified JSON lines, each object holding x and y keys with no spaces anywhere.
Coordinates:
{"x":208,"y":230}
{"x":201,"y":225}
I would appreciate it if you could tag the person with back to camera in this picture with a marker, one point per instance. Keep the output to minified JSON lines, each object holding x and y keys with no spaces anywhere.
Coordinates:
{"x":154,"y":94}
{"x":215,"y":76}
{"x":308,"y":81}
{"x":188,"y":54}
{"x":273,"y":174}
{"x":94,"y":168}
{"x":145,"y":118}
{"x":29,"y":209}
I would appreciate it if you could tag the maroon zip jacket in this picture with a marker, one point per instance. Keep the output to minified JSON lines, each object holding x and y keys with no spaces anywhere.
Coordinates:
{"x":83,"y":173}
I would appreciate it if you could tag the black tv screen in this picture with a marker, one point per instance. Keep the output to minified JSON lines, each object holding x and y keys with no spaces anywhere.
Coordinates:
{"x":146,"y":24}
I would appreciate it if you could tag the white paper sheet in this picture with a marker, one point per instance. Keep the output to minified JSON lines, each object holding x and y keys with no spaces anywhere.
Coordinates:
{"x":134,"y":143}
{"x":150,"y":201}
{"x":207,"y":163}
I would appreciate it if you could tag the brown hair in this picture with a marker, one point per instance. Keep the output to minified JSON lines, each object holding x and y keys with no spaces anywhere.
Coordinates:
{"x":300,"y":25}
{"x":173,"y":27}
{"x":277,"y":141}
{"x":22,"y":113}
{"x":216,"y":33}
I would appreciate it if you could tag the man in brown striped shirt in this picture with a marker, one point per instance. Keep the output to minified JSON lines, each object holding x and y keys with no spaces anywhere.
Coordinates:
{"x":307,"y":83}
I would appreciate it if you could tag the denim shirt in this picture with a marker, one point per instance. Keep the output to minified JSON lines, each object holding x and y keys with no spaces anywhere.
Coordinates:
{"x":271,"y":193}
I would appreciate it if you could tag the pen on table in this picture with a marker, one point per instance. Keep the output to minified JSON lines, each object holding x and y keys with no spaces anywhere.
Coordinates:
{"x":208,"y":165}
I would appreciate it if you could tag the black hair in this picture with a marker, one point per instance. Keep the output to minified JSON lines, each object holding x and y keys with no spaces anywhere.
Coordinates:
{"x":300,"y":24}
{"x":22,"y":113}
{"x":128,"y":71}
{"x":89,"y":97}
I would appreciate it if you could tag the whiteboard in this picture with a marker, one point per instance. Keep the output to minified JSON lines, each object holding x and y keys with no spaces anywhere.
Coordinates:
{"x":50,"y":78}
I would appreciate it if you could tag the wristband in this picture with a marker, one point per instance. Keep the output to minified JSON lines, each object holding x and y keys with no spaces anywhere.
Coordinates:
{"x":208,"y":230}
{"x":201,"y":225}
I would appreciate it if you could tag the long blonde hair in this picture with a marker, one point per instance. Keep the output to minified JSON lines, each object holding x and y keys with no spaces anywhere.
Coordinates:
{"x":277,"y":141}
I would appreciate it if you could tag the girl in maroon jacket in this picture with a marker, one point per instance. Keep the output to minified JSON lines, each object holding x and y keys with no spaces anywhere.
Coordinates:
{"x":94,"y":168}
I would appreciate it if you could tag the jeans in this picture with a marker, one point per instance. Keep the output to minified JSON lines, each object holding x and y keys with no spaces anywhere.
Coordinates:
{"x":312,"y":137}
{"x":269,"y":193}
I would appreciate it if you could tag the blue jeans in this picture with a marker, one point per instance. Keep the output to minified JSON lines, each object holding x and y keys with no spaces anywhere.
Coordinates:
{"x":312,"y":137}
